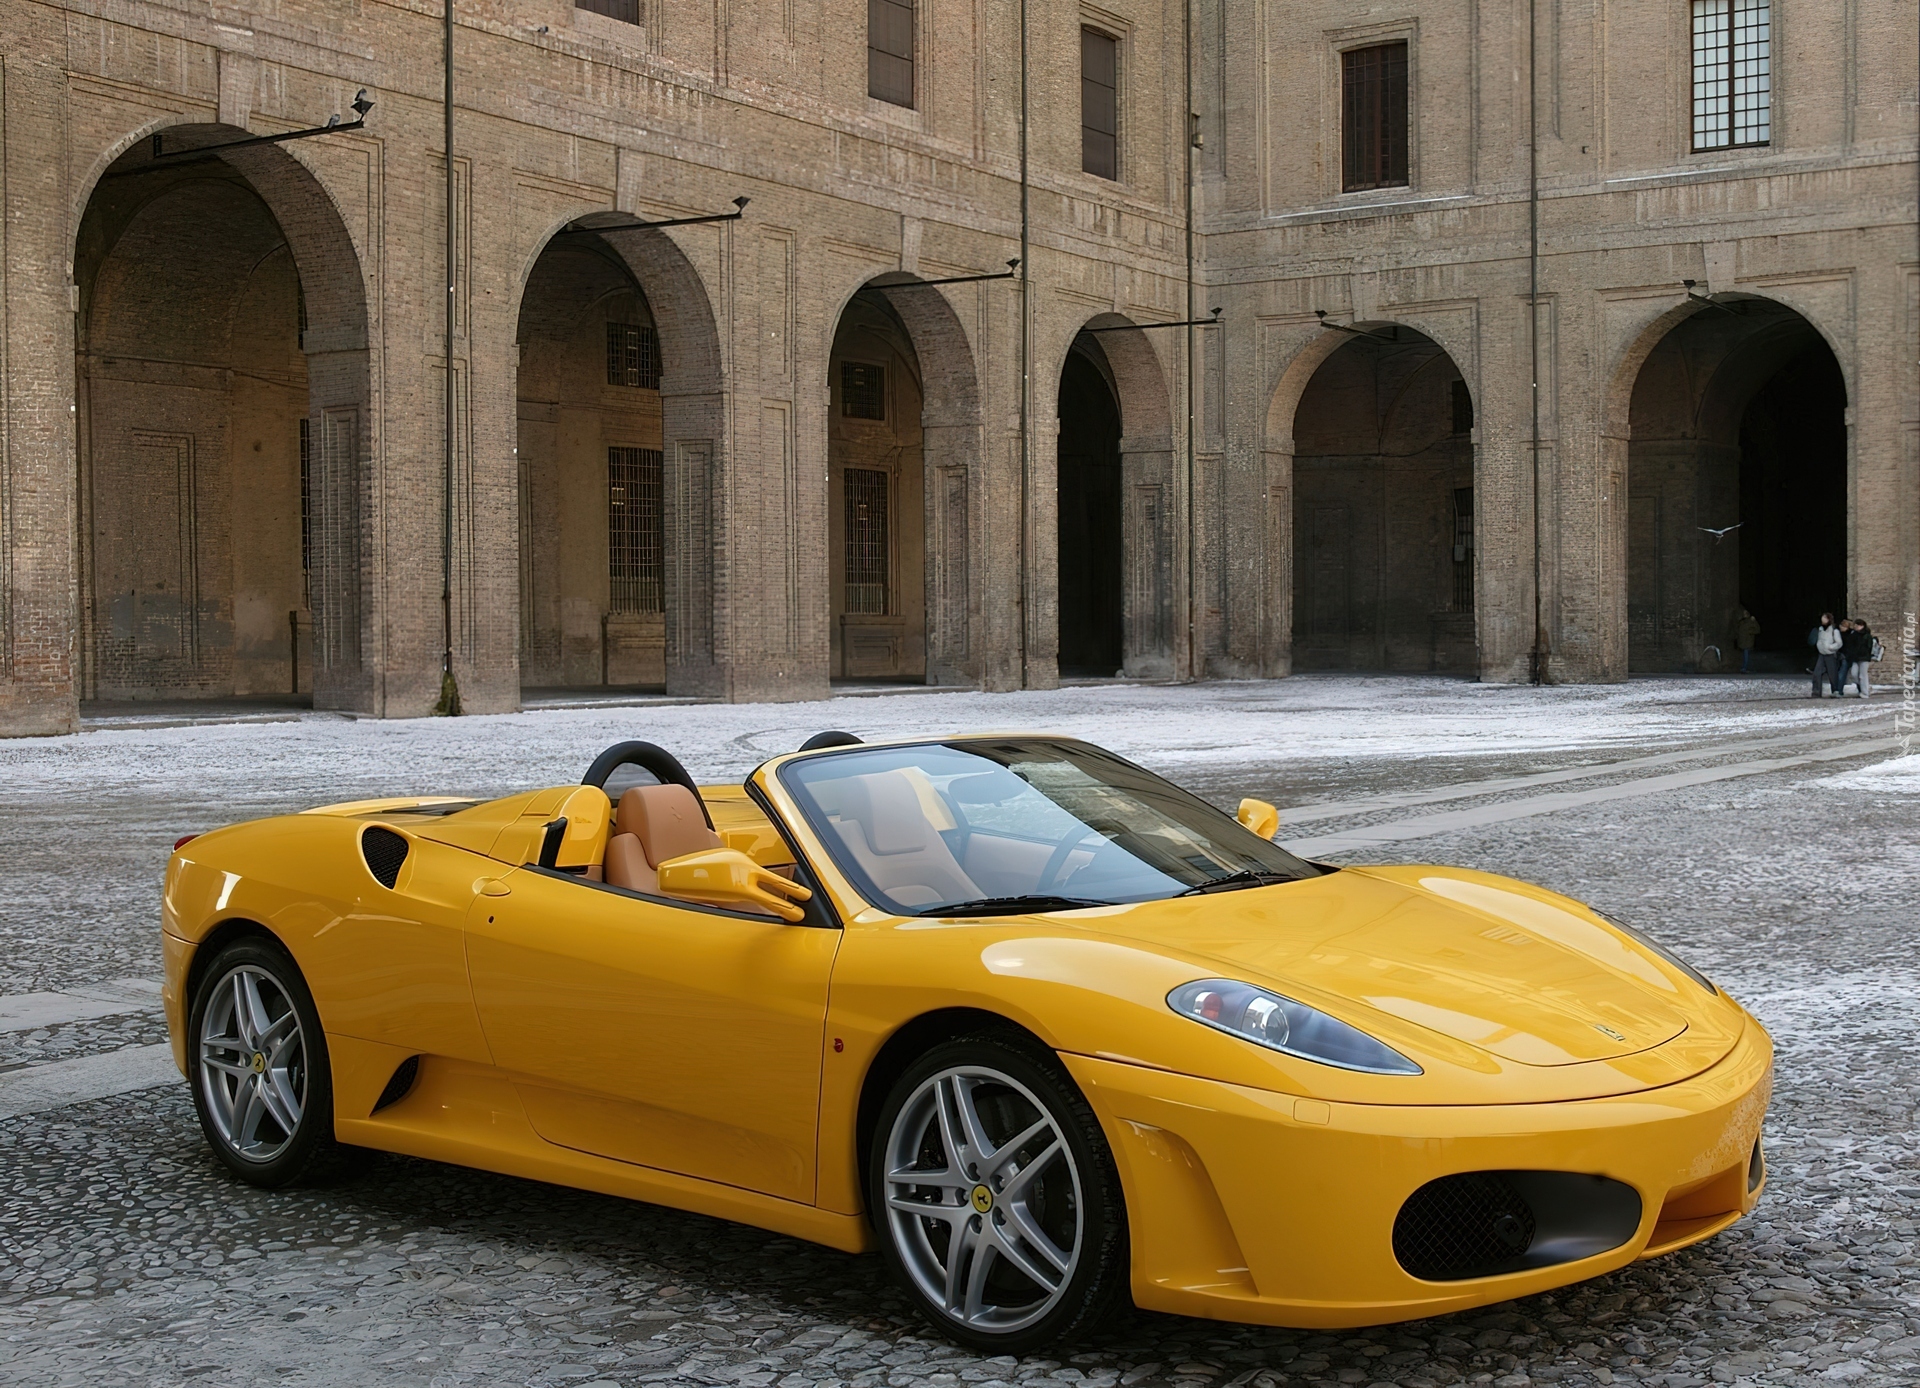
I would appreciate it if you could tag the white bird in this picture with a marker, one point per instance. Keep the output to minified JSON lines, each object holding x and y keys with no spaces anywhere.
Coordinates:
{"x":1719,"y":535}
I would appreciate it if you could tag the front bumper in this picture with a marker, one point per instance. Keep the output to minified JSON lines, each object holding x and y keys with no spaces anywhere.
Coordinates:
{"x":1246,"y":1205}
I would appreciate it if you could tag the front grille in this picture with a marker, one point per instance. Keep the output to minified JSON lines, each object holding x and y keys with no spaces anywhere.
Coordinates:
{"x":385,"y":852}
{"x":1471,"y":1225}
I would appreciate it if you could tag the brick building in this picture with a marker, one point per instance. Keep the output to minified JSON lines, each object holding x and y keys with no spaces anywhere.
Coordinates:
{"x":1495,"y":358}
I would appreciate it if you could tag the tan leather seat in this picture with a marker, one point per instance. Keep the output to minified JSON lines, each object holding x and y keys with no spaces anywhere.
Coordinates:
{"x":653,"y":824}
{"x":885,"y":827}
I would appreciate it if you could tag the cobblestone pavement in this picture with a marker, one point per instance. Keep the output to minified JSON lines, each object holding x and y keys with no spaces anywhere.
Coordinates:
{"x":126,"y":1256}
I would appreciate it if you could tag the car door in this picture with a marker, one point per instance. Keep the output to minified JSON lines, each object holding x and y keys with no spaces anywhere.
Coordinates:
{"x":675,"y":1036}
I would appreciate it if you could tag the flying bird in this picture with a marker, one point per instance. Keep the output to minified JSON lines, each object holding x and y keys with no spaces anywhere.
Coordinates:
{"x":1719,"y":535}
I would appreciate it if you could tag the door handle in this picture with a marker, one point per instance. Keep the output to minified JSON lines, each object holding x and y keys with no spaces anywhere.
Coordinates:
{"x":492,"y":886}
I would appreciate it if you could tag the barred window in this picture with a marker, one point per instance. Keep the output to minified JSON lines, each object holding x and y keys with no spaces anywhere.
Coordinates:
{"x":863,"y":390}
{"x":1373,"y":110}
{"x":627,"y":11}
{"x":1463,"y":549}
{"x":890,"y":51}
{"x":1732,"y":73}
{"x":1099,"y":103}
{"x":866,"y":540}
{"x":633,"y":355}
{"x":636,"y":531}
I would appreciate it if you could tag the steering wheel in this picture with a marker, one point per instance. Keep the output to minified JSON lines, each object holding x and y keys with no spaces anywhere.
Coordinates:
{"x":1049,"y":875}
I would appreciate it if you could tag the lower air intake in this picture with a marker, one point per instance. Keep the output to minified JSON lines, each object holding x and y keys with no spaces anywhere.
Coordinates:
{"x":385,"y":852}
{"x":1485,"y":1223}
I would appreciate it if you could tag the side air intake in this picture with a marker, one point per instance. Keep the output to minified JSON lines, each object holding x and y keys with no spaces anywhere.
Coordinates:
{"x":385,"y":852}
{"x":400,"y":1085}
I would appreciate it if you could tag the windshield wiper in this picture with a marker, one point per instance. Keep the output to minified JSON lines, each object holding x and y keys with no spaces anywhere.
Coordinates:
{"x":1011,"y":905}
{"x":1233,"y":881}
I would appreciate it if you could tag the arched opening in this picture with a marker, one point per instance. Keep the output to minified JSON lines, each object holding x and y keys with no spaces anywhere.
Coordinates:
{"x":620,"y":439}
{"x":1091,"y":567}
{"x":1383,"y":566}
{"x":1736,"y":489}
{"x":592,"y":465}
{"x":876,"y":495}
{"x":1117,"y":497}
{"x":221,"y":394}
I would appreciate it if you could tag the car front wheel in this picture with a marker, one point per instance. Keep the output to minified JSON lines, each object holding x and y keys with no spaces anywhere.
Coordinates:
{"x":995,"y":1196}
{"x":258,"y":1066}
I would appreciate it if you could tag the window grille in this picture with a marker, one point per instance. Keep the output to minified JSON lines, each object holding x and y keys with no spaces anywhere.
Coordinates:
{"x":1463,"y":549}
{"x":1099,"y":103}
{"x":306,"y":513}
{"x":626,"y":11}
{"x":1373,"y":109}
{"x":636,"y":531}
{"x":867,"y":559}
{"x":1732,"y":73}
{"x":1462,"y":408}
{"x":633,"y":355}
{"x":863,"y":390}
{"x":890,"y":51}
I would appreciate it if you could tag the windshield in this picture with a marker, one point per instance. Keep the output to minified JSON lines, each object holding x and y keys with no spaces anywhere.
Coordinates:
{"x":1021,"y":824}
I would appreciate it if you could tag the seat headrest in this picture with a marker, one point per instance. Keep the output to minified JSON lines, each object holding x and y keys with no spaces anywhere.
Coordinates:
{"x":889,"y":811}
{"x":667,"y":821}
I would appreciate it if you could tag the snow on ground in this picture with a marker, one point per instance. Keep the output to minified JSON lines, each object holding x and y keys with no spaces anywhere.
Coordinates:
{"x":1901,"y":776}
{"x":1216,"y":726}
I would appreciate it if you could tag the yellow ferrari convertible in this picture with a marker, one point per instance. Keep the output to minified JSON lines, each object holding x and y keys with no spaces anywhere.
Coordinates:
{"x":1045,"y":1029}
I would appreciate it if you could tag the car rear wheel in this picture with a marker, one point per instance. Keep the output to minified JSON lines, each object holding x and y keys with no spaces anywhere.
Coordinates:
{"x":995,"y":1196}
{"x":258,"y":1066}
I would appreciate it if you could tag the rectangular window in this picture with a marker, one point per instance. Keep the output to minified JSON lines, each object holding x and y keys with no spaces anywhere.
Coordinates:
{"x":1732,"y":73}
{"x":1099,"y":103}
{"x":633,"y":355}
{"x":866,"y":539}
{"x":890,"y":51}
{"x":636,"y":531}
{"x":306,"y":513}
{"x":1462,"y":408}
{"x":1373,"y":116}
{"x":626,"y":11}
{"x":863,"y":390}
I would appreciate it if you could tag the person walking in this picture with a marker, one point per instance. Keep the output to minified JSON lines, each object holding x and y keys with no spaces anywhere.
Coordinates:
{"x":1745,"y":628}
{"x":1856,"y":649}
{"x":1826,"y":667}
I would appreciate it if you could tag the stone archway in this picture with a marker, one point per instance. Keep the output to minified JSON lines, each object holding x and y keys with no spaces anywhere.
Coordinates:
{"x":621,"y":428}
{"x":1122,"y":449}
{"x":903,"y":449}
{"x":1382,"y":510}
{"x":222,"y":397}
{"x":1736,"y":486}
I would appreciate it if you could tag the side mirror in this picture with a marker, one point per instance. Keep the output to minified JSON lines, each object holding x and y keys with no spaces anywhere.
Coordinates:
{"x":1258,"y":817}
{"x":728,"y":877}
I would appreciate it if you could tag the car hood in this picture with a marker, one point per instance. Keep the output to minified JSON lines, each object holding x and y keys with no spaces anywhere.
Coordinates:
{"x":1524,"y":974}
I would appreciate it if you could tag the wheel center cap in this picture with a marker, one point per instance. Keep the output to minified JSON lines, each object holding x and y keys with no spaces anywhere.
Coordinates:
{"x":982,"y":1199}
{"x":258,"y":1064}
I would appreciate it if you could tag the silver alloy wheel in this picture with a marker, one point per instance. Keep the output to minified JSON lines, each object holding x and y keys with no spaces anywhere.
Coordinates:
{"x":253,"y":1063}
{"x":983,"y":1199}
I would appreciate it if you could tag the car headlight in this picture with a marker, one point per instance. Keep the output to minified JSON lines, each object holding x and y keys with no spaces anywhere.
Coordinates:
{"x":1657,"y":948}
{"x":1281,"y":1024}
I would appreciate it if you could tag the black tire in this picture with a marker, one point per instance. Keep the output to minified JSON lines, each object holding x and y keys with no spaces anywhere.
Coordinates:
{"x":1035,"y":1199}
{"x":286,"y":1135}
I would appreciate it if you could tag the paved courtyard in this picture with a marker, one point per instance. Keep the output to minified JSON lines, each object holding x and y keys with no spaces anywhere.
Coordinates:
{"x":1772,"y":839}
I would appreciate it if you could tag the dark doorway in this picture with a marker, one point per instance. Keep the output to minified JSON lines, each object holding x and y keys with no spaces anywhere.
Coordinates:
{"x":1793,"y":500}
{"x":1736,"y":489}
{"x":1092,"y":604}
{"x":1383,"y":509}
